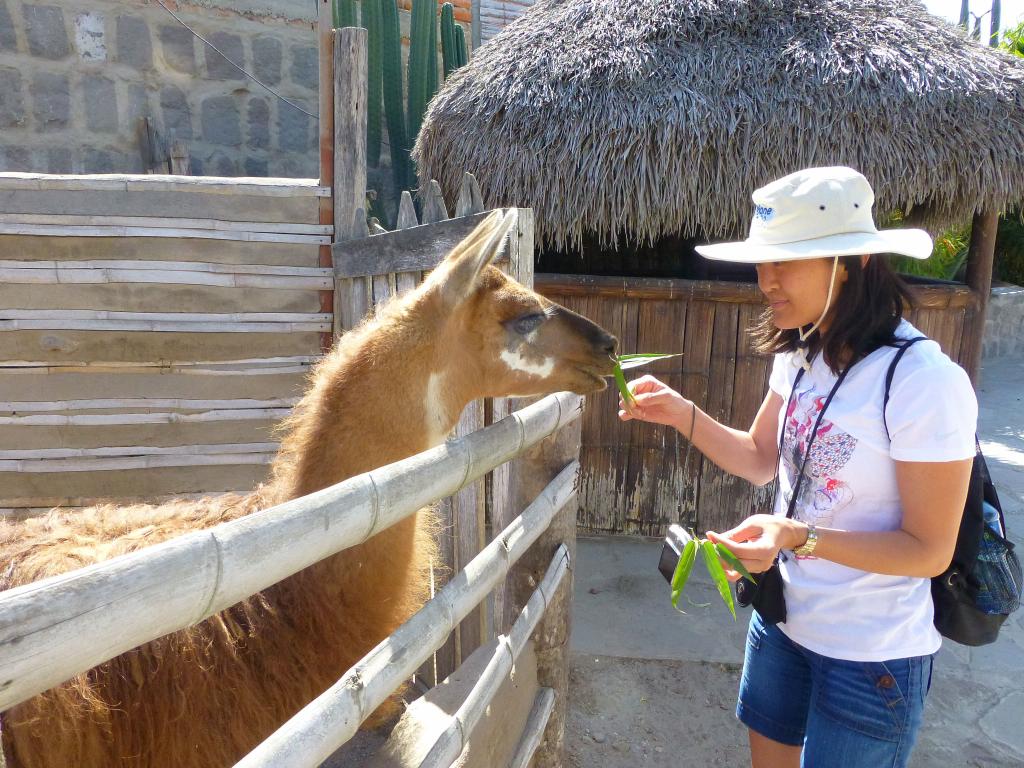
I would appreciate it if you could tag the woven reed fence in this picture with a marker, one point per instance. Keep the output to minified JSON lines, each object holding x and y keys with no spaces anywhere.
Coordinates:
{"x":640,"y":478}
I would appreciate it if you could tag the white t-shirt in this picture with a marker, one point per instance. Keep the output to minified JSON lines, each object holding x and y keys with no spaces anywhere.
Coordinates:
{"x":850,"y":484}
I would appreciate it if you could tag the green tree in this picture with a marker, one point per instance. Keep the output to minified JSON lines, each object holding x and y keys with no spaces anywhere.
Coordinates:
{"x":949,"y":256}
{"x":1013,"y":40}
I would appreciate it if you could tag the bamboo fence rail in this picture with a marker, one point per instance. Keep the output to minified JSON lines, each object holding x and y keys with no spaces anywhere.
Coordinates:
{"x":55,"y":628}
{"x":455,"y":738}
{"x":333,"y":717}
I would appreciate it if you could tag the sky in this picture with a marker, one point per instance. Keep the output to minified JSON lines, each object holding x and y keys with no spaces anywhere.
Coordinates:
{"x":1012,"y":11}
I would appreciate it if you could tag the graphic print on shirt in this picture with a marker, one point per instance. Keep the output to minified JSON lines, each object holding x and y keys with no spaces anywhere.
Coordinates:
{"x":822,"y":493}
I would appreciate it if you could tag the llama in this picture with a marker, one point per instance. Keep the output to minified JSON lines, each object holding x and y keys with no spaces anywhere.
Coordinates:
{"x":207,"y":695}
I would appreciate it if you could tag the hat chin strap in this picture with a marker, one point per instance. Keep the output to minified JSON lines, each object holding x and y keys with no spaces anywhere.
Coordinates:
{"x":804,"y":335}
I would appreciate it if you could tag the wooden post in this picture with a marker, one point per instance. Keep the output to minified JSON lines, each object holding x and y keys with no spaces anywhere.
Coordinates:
{"x":529,"y":474}
{"x":181,"y":162}
{"x":470,"y":200}
{"x":434,"y":208}
{"x":407,"y":281}
{"x":352,"y":295}
{"x":325,"y":50}
{"x":474,"y":34}
{"x":513,"y":487}
{"x":979,"y":279}
{"x":350,"y":86}
{"x":151,"y":146}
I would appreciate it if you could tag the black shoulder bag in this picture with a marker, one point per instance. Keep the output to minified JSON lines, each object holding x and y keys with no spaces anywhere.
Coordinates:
{"x":982,"y":584}
{"x":766,"y":596}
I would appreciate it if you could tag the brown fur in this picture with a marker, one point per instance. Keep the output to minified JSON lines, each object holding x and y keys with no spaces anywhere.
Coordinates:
{"x":206,"y":695}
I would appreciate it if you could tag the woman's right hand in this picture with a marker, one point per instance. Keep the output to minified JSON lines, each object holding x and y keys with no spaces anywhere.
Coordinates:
{"x":655,"y":402}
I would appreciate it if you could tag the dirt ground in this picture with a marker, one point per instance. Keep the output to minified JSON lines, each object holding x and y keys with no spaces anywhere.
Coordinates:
{"x":627,"y":712}
{"x":667,"y":714}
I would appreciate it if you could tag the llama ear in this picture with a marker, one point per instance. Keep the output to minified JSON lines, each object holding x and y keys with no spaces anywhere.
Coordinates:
{"x":459,"y":271}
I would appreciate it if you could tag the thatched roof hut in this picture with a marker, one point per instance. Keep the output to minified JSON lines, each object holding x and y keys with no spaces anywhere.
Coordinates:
{"x":620,"y":119}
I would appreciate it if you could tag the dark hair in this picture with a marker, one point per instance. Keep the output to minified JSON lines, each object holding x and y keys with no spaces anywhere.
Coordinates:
{"x":864,"y":316}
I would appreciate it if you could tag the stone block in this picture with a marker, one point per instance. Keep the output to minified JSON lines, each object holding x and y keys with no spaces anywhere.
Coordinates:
{"x":51,"y":101}
{"x":100,"y":98}
{"x":98,"y":161}
{"x":266,"y":59}
{"x":258,"y":118}
{"x":128,"y":162}
{"x":220,"y":68}
{"x":221,"y":123}
{"x":295,"y":167}
{"x":59,"y":160}
{"x":8,"y":37}
{"x":177,"y":116}
{"x":15,"y":158}
{"x":46,"y":32}
{"x":91,"y":36}
{"x":178,"y":47}
{"x":220,"y":164}
{"x":254,"y":166}
{"x":305,"y":69}
{"x":293,"y":129}
{"x":136,"y":103}
{"x":134,"y":43}
{"x":12,"y":102}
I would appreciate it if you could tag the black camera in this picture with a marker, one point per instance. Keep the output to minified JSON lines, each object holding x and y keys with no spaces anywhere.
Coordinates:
{"x":766,"y":596}
{"x":672,"y":550}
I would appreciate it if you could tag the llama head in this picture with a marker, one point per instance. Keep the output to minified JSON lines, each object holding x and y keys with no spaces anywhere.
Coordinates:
{"x":504,"y":339}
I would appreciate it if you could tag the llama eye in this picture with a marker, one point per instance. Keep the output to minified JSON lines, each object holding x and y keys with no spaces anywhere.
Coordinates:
{"x":527,"y":323}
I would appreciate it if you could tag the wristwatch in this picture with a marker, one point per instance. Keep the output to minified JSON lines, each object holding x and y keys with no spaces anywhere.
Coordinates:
{"x":807,"y":548}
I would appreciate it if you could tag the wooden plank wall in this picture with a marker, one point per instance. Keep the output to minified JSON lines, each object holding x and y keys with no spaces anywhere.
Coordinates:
{"x":155,"y":329}
{"x":640,"y":478}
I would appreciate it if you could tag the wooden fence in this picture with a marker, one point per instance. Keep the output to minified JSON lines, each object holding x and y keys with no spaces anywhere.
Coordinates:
{"x":149,"y":352}
{"x":56,"y":628}
{"x":640,"y":478}
{"x":155,"y":328}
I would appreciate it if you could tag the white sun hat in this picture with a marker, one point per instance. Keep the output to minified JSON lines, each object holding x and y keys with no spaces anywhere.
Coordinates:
{"x":815,"y":213}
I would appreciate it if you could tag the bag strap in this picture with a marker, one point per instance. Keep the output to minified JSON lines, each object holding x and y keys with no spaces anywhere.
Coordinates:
{"x":782,"y":435}
{"x":892,"y":372}
{"x":810,"y":442}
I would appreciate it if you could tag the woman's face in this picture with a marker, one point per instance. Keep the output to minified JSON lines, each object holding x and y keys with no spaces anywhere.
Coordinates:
{"x":797,"y":290}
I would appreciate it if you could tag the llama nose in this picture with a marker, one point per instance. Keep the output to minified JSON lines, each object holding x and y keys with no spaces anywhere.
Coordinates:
{"x":608,"y":343}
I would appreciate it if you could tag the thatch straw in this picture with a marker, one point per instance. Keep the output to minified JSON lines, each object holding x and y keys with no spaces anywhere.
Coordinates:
{"x":615,"y":118}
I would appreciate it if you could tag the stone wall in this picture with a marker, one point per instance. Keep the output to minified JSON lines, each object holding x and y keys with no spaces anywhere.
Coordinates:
{"x":76,"y":76}
{"x":1004,"y":322}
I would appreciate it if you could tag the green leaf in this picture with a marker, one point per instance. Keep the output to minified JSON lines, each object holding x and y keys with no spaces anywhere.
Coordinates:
{"x":620,"y":381}
{"x":718,"y":574}
{"x":733,"y":561}
{"x":634,"y":361}
{"x":682,"y":573}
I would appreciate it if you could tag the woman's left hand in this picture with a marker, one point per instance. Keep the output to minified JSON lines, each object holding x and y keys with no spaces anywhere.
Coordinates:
{"x":757,"y":540}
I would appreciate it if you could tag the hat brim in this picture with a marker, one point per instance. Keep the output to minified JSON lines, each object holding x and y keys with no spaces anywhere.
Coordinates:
{"x":915,"y":243}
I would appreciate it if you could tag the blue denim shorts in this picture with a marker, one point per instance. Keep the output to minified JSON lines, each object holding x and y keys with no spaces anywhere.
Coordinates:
{"x":847,"y":714}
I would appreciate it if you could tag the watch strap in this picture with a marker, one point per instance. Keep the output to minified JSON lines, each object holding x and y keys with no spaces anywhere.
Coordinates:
{"x":805,"y":549}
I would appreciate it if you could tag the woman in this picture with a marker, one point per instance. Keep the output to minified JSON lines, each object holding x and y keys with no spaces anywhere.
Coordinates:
{"x":874,"y":505}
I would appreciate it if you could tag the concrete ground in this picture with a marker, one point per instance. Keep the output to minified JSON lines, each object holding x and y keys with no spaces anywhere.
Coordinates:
{"x":652,"y":687}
